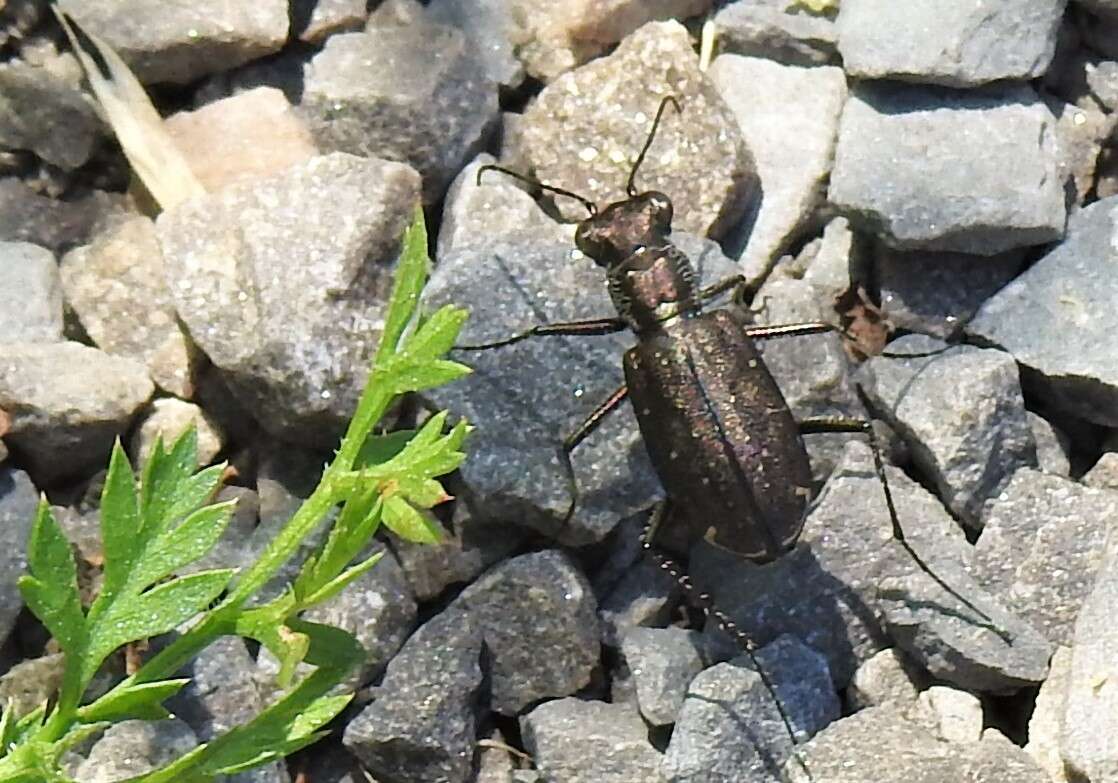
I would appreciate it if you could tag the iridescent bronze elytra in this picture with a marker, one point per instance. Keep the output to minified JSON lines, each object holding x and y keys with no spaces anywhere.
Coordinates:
{"x":719,"y":433}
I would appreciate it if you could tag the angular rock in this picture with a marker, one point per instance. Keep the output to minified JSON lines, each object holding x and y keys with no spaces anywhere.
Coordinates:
{"x":585,"y":130}
{"x":556,"y":37}
{"x":222,"y":692}
{"x":422,"y":726}
{"x":1057,"y":319}
{"x":1102,"y":80}
{"x":938,"y":293}
{"x":1041,"y":547}
{"x":885,"y":677}
{"x":789,"y":118}
{"x":246,"y":136}
{"x":1044,"y":725}
{"x":469,"y":547}
{"x":1106,"y":184}
{"x":180,"y":43}
{"x":1090,"y":719}
{"x":730,"y":728}
{"x":282,"y":282}
{"x":1051,"y":447}
{"x":67,"y":402}
{"x":526,"y":398}
{"x":957,"y":714}
{"x":830,"y":262}
{"x":958,"y":43}
{"x":496,"y":209}
{"x":495,"y":764}
{"x":905,"y":154}
{"x":1104,"y":474}
{"x":643,"y":597}
{"x":118,"y":288}
{"x":879,"y":744}
{"x":233,"y":548}
{"x":44,"y":112}
{"x":492,"y":25}
{"x":27,"y":216}
{"x":30,"y":294}
{"x":803,"y":683}
{"x":855,"y":587}
{"x":1082,"y":129}
{"x":134,"y":747}
{"x":317,"y":20}
{"x":961,"y":413}
{"x":415,"y":93}
{"x":572,"y":739}
{"x":533,"y":603}
{"x":18,"y":502}
{"x":32,"y":682}
{"x":772,"y":29}
{"x":632,"y":589}
{"x":168,"y":419}
{"x":662,"y":662}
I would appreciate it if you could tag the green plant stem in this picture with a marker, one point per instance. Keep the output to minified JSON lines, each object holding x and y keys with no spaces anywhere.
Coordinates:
{"x":221,"y":621}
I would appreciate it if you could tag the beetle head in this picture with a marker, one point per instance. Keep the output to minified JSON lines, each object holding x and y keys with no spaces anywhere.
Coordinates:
{"x":625,"y":227}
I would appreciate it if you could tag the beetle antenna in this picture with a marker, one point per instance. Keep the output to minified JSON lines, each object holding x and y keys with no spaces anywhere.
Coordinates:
{"x":630,"y":188}
{"x":536,"y":184}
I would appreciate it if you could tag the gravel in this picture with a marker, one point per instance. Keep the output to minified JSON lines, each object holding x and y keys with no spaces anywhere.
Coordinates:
{"x":945,"y":170}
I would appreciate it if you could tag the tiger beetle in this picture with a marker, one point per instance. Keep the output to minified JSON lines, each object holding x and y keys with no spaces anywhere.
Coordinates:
{"x":718,"y":431}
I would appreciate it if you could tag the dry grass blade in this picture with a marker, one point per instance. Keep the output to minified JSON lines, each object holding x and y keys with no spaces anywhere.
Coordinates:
{"x":138,"y":127}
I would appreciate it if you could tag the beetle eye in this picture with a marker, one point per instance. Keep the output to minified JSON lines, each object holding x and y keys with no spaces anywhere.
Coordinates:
{"x":661,"y":207}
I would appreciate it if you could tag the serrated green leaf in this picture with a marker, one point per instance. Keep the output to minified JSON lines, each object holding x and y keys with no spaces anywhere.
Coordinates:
{"x":157,"y":611}
{"x":142,"y":701}
{"x":331,"y":648}
{"x":438,"y":333}
{"x":411,"y":275}
{"x":428,"y":444}
{"x":185,"y":497}
{"x":409,"y":524}
{"x":417,"y":375}
{"x":184,"y":543}
{"x":340,"y":582}
{"x":51,"y":589}
{"x":122,"y":534}
{"x":165,"y":472}
{"x":382,"y":448}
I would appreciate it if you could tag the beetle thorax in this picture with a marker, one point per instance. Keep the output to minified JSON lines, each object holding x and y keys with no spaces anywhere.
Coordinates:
{"x":650,"y":281}
{"x":652,"y":287}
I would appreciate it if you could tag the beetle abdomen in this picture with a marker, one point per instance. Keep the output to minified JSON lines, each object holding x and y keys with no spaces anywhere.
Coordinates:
{"x":720,"y":436}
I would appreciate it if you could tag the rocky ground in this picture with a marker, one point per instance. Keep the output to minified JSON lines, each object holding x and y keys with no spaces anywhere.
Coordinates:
{"x":948,"y":168}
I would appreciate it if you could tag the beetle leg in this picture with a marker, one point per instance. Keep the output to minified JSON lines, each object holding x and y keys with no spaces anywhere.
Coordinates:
{"x":793,"y":330}
{"x":846,"y":424}
{"x":713,"y":290}
{"x":570,"y":443}
{"x":574,"y":328}
{"x":702,"y":601}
